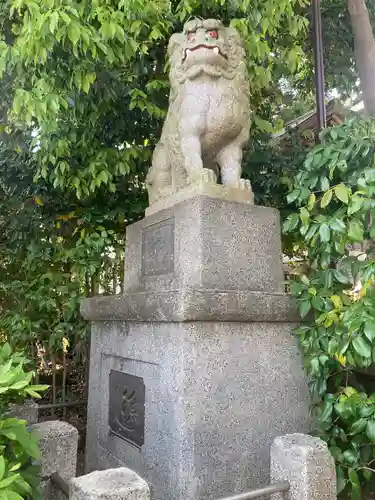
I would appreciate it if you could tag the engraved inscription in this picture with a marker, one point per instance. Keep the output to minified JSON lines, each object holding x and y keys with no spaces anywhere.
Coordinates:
{"x":127,"y":407}
{"x":158,"y":248}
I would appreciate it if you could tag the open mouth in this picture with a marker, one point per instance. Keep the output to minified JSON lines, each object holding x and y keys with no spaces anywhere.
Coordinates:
{"x":215,"y":49}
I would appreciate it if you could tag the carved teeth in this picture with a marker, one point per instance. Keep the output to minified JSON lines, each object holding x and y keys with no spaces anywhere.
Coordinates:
{"x":216,"y":51}
{"x":187,"y":52}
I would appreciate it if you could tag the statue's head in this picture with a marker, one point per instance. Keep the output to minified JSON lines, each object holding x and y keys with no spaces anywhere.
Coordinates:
{"x":205,"y":46}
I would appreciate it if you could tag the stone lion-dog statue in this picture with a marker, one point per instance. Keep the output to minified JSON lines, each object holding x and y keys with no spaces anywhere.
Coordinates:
{"x":208,"y":120}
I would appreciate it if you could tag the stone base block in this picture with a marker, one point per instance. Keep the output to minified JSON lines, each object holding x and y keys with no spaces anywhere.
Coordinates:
{"x":112,"y":484}
{"x":306,"y":463}
{"x":205,"y":243}
{"x":193,"y":407}
{"x":28,"y":411}
{"x":209,"y":190}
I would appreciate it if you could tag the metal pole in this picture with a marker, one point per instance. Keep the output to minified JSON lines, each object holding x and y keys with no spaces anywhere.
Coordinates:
{"x":62,"y":405}
{"x":259,"y":492}
{"x":319,"y":65}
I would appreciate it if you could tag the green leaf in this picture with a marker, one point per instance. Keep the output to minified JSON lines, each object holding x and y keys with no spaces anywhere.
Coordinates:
{"x":353,"y":478}
{"x":324,"y":233}
{"x":31,"y":446}
{"x":333,"y":345}
{"x":19,"y":385}
{"x":356,"y":484}
{"x":370,"y":430}
{"x":342,"y":278}
{"x":369,"y":329}
{"x":341,"y":479}
{"x":8,"y":481}
{"x":291,"y":223}
{"x":326,"y":198}
{"x":15,"y":467}
{"x":362,"y":346}
{"x":40,"y":388}
{"x":356,"y":492}
{"x":293,"y":195}
{"x":304,"y":307}
{"x":311,"y":201}
{"x":342,"y":192}
{"x":2,"y":467}
{"x":367,"y":474}
{"x":304,"y":215}
{"x":12,"y":495}
{"x":358,"y":426}
{"x":350,"y":457}
{"x":356,"y":204}
{"x":337,"y":302}
{"x":54,"y":21}
{"x":314,"y":366}
{"x":326,"y":414}
{"x":337,"y":225}
{"x":74,"y":33}
{"x":324,"y":183}
{"x":355,"y":231}
{"x":6,"y":351}
{"x":32,"y":393}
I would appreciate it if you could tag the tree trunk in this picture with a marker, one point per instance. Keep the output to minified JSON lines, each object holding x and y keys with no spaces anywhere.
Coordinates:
{"x":364,"y":46}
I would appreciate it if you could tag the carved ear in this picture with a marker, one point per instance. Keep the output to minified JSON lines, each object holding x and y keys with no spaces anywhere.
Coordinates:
{"x":234,"y":36}
{"x":175,"y":42}
{"x":236,"y":48}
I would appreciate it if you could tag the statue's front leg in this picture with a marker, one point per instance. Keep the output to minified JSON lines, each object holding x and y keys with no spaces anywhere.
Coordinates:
{"x":159,"y":176}
{"x":230,"y":159}
{"x":192,"y":151}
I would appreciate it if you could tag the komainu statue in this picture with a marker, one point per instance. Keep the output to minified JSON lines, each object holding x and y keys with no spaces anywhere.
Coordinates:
{"x":208,"y":120}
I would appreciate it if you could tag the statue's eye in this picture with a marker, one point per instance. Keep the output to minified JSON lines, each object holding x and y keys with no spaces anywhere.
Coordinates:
{"x":191,"y":35}
{"x":213,"y":34}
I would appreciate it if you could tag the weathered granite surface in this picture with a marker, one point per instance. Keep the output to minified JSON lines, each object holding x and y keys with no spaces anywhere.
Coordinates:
{"x":203,"y":333}
{"x":205,"y":243}
{"x":216,"y":191}
{"x":27,"y":411}
{"x":203,"y":259}
{"x":307,"y":464}
{"x":112,"y":484}
{"x":217,"y":394}
{"x":58,"y":443}
{"x":192,"y":305}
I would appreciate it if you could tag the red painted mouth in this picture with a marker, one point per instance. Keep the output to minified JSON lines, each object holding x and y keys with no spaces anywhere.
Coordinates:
{"x":214,"y":48}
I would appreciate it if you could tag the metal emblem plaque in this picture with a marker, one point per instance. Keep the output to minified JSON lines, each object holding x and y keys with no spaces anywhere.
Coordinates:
{"x":127,"y":407}
{"x":158,"y":248}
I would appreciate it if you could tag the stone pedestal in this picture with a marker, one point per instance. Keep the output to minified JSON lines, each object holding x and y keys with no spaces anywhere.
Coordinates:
{"x":194,"y":370}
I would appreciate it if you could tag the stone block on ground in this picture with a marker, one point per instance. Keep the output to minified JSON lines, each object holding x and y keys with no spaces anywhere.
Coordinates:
{"x":307,"y":464}
{"x":27,"y":411}
{"x":111,"y":484}
{"x":58,"y":443}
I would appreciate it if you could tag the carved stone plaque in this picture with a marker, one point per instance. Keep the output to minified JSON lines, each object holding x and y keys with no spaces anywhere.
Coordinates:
{"x":158,"y":248}
{"x":127,"y":407}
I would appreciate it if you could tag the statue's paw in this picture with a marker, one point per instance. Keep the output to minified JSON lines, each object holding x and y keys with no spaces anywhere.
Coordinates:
{"x":244,"y":184}
{"x":202,"y":176}
{"x":209,"y":176}
{"x":159,"y":193}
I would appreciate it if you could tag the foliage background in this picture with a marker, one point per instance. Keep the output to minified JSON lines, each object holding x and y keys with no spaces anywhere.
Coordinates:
{"x":18,"y":446}
{"x":84,"y":91}
{"x":335,"y":189}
